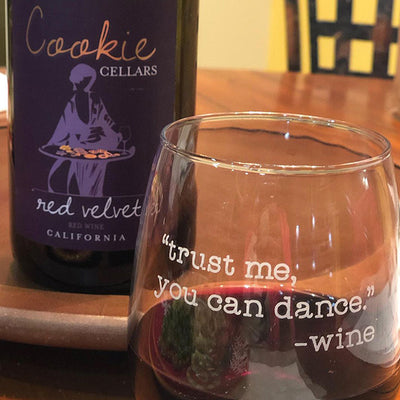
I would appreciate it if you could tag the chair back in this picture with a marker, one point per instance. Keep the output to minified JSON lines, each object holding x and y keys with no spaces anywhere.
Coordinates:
{"x":341,"y":45}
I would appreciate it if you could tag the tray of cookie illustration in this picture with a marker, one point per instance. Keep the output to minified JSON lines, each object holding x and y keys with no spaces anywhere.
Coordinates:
{"x":79,"y":153}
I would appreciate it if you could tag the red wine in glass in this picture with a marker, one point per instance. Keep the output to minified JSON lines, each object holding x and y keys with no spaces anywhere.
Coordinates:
{"x":258,"y":343}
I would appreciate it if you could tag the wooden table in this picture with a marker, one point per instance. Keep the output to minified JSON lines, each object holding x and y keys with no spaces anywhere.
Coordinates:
{"x":368,"y":102}
{"x":28,"y":371}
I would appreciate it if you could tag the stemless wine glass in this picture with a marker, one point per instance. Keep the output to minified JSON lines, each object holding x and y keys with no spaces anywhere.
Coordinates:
{"x":266,"y":263}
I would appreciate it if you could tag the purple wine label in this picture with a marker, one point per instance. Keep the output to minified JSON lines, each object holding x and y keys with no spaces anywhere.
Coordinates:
{"x":94,"y":83}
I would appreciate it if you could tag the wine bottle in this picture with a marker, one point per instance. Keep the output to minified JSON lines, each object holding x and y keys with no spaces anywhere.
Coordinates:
{"x":91,"y":86}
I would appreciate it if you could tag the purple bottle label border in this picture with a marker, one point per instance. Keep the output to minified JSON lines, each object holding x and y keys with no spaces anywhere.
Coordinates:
{"x":92,"y":91}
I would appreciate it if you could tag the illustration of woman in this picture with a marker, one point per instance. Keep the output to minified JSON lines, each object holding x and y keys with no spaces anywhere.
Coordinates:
{"x":85,"y":123}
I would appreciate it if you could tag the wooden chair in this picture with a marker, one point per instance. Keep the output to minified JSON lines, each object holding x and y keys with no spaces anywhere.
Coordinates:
{"x":344,"y":33}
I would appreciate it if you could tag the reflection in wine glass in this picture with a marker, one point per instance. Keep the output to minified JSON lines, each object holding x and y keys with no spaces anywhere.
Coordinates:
{"x":266,"y":263}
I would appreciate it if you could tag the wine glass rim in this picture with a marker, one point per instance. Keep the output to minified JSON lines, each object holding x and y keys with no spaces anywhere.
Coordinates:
{"x":268,"y":168}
